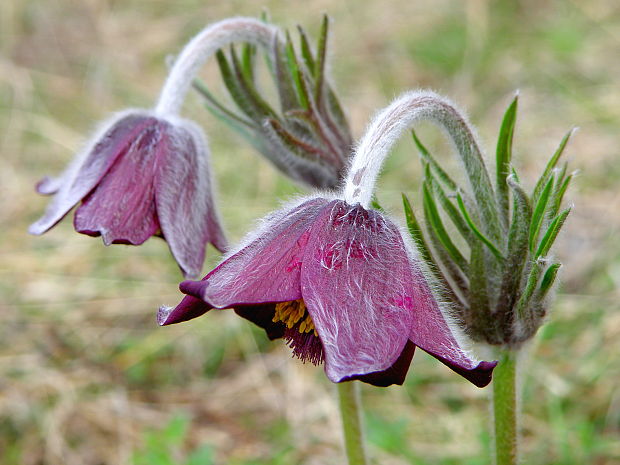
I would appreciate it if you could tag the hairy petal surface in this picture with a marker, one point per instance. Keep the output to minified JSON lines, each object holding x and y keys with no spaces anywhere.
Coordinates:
{"x":357,"y":285}
{"x":431,"y":332}
{"x":184,"y":198}
{"x":267,"y":267}
{"x":121,"y":208}
{"x":87,"y":169}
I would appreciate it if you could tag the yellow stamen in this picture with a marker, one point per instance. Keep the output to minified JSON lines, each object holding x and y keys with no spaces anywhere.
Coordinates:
{"x":292,"y":312}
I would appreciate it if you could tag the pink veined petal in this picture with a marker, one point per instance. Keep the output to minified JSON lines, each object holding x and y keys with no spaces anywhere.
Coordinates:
{"x":267,"y":268}
{"x":430,"y":332}
{"x":86,"y":170}
{"x":356,"y":283}
{"x":121,"y":208}
{"x":184,"y":199}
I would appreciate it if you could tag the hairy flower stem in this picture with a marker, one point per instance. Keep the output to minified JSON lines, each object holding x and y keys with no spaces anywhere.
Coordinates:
{"x":201,"y":48}
{"x":387,"y":127}
{"x":350,"y":410}
{"x":506,"y":408}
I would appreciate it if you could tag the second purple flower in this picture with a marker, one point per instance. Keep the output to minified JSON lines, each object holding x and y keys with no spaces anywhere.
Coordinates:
{"x":142,"y":175}
{"x":342,"y":286}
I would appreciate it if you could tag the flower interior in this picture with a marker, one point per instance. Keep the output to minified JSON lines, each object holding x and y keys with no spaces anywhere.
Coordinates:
{"x":300,"y":333}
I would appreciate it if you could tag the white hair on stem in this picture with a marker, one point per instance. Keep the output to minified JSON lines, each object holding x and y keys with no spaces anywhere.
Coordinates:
{"x":201,"y":48}
{"x":387,"y":127}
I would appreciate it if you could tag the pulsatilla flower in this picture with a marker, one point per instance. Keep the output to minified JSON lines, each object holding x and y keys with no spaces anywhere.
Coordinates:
{"x":341,"y":285}
{"x":142,"y":175}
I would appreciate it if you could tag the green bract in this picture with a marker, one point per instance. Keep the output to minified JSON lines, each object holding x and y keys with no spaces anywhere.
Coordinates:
{"x":500,"y":281}
{"x":308,"y":137}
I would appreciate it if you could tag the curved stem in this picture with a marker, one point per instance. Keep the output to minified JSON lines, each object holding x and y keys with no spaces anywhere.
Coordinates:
{"x":350,"y":410}
{"x":201,"y":48}
{"x":387,"y":127}
{"x":506,"y":408}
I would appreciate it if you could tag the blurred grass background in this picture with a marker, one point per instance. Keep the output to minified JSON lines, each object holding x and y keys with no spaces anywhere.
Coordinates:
{"x":86,"y":377}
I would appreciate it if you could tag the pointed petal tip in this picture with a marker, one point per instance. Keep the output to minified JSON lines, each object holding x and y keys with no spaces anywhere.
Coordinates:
{"x":163,"y":313}
{"x":188,"y":309}
{"x":47,"y":186}
{"x":482,"y":374}
{"x":35,"y":229}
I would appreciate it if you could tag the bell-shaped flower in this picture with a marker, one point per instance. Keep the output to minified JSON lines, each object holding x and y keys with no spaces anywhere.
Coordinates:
{"x":342,"y":285}
{"x":147,"y":173}
{"x":142,"y":175}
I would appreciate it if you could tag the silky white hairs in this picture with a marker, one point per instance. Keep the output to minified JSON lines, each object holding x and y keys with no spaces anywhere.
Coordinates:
{"x":201,"y":48}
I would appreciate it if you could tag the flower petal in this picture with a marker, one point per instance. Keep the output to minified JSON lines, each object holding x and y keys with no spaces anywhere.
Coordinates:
{"x":189,"y":308}
{"x":266,"y":266}
{"x":356,"y":283}
{"x":480,"y":375}
{"x":121,"y":208}
{"x":87,"y":169}
{"x":393,"y":375}
{"x":184,"y":198}
{"x":192,"y":307}
{"x":432,"y":332}
{"x":49,"y":185}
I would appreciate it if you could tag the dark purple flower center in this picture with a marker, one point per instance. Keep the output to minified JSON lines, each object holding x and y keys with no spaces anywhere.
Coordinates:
{"x":300,"y":333}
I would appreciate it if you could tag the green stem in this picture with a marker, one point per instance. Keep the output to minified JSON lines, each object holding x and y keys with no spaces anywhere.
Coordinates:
{"x":506,"y":408}
{"x":350,"y":410}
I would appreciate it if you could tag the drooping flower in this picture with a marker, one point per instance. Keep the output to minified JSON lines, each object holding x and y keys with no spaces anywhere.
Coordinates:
{"x":342,"y":285}
{"x":146,"y":172}
{"x":142,"y":175}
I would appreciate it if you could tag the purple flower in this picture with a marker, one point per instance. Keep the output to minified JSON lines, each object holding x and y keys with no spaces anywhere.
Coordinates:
{"x":142,"y":175}
{"x":342,"y":286}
